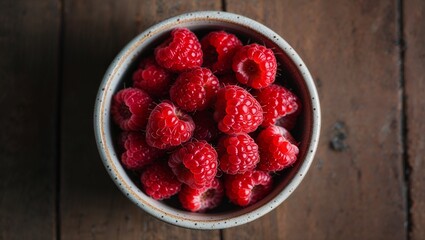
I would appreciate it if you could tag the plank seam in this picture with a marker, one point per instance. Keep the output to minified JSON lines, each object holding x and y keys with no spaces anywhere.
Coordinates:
{"x":223,"y":5}
{"x":404,"y":128}
{"x":59,"y":117}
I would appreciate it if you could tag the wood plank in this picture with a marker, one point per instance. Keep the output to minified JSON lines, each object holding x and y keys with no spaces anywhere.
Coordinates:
{"x":28,"y":90}
{"x":354,"y":189}
{"x":92,"y":207}
{"x":414,"y":32}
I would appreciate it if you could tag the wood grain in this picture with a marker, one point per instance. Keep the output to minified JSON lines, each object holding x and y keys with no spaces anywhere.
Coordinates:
{"x":28,"y":88}
{"x":414,"y":22}
{"x":355,"y":188}
{"x":92,"y":207}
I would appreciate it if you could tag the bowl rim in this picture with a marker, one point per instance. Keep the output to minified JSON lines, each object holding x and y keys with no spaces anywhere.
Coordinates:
{"x":169,"y":214}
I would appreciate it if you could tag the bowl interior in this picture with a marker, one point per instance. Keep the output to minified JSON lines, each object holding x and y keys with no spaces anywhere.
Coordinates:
{"x":292,"y":73}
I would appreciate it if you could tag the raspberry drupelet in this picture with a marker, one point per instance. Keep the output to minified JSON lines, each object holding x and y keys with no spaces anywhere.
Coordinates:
{"x":247,"y":188}
{"x":277,"y":102}
{"x":255,"y":66}
{"x":159,"y":182}
{"x":137,"y":153}
{"x":238,"y":153}
{"x":195,"y":89}
{"x":168,"y":126}
{"x":219,"y":47}
{"x":195,"y":164}
{"x":202,"y":199}
{"x":130,"y":109}
{"x":237,"y":111}
{"x":152,"y":78}
{"x":277,"y":149}
{"x":181,"y":52}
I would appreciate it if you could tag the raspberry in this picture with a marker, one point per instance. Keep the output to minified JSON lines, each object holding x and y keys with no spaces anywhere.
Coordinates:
{"x":202,"y":199}
{"x":238,"y":153}
{"x":152,"y":78}
{"x":168,"y":127}
{"x":194,"y":164}
{"x":137,"y":152}
{"x":255,"y":66}
{"x":182,"y":51}
{"x":159,"y":182}
{"x":219,"y":48}
{"x":276,"y":102}
{"x":277,"y":149}
{"x":130,"y":109}
{"x":236,"y":110}
{"x":247,"y":188}
{"x":194,"y":89}
{"x":205,"y":126}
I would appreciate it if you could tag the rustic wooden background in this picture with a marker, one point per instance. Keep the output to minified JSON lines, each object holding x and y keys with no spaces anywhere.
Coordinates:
{"x":367,"y":59}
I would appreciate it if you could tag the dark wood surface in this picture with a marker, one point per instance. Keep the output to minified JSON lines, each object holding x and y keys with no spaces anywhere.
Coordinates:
{"x":367,"y":59}
{"x":29,"y":77}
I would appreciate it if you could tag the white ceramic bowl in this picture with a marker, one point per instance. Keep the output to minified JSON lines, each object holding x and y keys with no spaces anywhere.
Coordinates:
{"x":293,"y":70}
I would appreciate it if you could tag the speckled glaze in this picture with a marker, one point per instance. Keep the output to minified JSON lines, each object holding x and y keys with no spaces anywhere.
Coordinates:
{"x":119,"y":70}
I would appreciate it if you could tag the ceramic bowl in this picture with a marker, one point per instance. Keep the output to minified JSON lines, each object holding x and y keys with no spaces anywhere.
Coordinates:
{"x":293,"y":72}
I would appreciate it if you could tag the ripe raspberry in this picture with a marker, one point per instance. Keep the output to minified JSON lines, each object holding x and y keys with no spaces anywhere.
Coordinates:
{"x":152,"y":78}
{"x":236,"y":110}
{"x":255,"y":66}
{"x":277,"y":149}
{"x":228,"y":79}
{"x":247,"y":188}
{"x":159,"y":182}
{"x":238,"y":153}
{"x":137,"y":152}
{"x":202,"y":199}
{"x":130,"y":109}
{"x":168,"y":126}
{"x":195,"y":164}
{"x":205,"y":126}
{"x":182,"y":51}
{"x":219,"y":48}
{"x":276,"y":102}
{"x":194,"y":89}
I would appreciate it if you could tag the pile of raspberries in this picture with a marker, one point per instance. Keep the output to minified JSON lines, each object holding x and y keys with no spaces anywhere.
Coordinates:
{"x":204,"y":121}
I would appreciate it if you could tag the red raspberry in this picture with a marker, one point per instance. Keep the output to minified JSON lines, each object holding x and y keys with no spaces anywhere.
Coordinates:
{"x":159,"y":182}
{"x":168,"y":127}
{"x":219,"y":48}
{"x":202,"y":199}
{"x":194,"y":89}
{"x":228,"y":79}
{"x":255,"y":66}
{"x":130,"y":109}
{"x":236,"y":110}
{"x":195,"y":164}
{"x":137,"y":152}
{"x":238,"y":153}
{"x":247,"y":188}
{"x":152,"y":78}
{"x":205,"y":126}
{"x":277,"y":149}
{"x":276,"y":102}
{"x":182,"y":51}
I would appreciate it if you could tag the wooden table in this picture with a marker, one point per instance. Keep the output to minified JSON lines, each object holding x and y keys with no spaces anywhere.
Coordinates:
{"x":367,"y":58}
